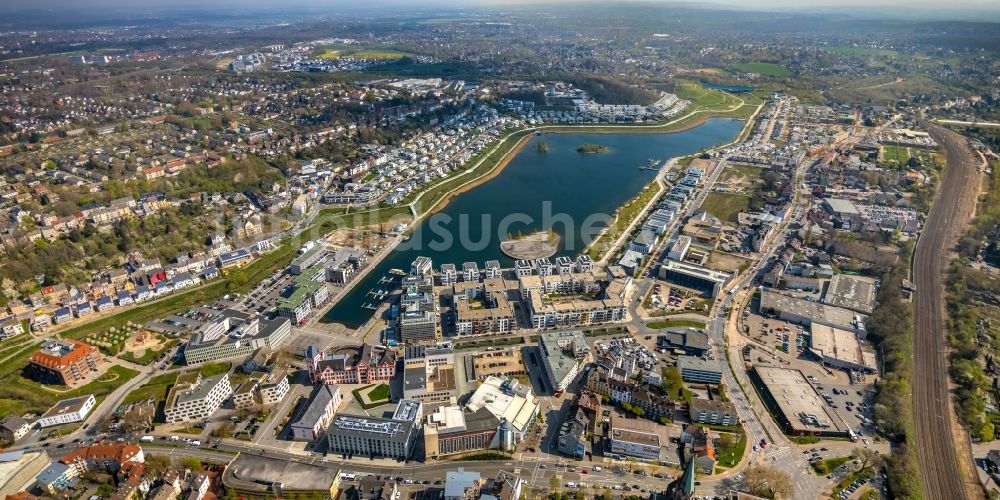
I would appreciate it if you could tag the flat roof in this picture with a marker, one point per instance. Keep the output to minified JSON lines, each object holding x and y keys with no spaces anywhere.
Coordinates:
{"x":841,"y":345}
{"x":697,"y":271}
{"x":798,"y":401}
{"x":852,"y":292}
{"x":258,"y":472}
{"x":695,"y":363}
{"x":640,"y":431}
{"x":813,"y":311}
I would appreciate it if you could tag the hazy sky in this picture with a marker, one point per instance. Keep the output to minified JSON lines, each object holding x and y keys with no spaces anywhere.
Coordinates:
{"x":93,"y":7}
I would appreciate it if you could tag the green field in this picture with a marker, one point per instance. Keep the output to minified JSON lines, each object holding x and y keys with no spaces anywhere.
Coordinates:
{"x":766,"y":69}
{"x":898,"y":154}
{"x":625,"y":215}
{"x":156,"y":389}
{"x":338,"y":51}
{"x":19,"y":394}
{"x":725,"y":206}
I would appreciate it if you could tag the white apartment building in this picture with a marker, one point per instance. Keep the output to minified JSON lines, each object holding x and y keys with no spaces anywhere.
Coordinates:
{"x":68,"y":411}
{"x":194,"y":398}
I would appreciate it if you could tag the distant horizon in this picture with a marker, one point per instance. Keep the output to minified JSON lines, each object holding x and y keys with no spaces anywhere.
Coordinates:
{"x":927,"y":10}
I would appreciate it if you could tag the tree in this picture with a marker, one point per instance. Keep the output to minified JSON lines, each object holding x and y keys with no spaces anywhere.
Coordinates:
{"x":672,"y":383}
{"x":771,"y":180}
{"x":157,"y":464}
{"x":764,"y":480}
{"x":193,"y":463}
{"x":554,"y":484}
{"x":867,"y":457}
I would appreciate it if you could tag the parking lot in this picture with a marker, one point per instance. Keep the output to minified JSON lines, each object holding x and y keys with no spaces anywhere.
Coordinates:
{"x":781,"y":343}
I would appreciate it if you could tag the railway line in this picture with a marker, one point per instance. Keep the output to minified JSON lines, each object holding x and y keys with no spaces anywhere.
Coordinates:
{"x":945,"y":464}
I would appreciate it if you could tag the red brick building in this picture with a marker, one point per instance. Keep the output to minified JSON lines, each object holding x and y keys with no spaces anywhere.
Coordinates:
{"x":66,"y":362}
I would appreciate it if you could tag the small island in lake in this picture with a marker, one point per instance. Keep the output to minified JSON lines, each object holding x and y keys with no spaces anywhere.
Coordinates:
{"x":592,"y":148}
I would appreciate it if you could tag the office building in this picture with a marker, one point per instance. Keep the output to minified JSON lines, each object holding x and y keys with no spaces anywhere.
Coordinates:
{"x":639,"y":438}
{"x":450,"y":431}
{"x":707,"y":281}
{"x":371,"y":437}
{"x":428,"y":373}
{"x":699,"y":370}
{"x":232,"y":334}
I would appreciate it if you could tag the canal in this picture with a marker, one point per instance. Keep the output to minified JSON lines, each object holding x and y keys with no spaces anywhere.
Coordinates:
{"x":562,"y":190}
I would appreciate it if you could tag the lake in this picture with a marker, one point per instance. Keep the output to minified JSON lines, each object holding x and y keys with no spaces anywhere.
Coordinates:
{"x":561,"y":190}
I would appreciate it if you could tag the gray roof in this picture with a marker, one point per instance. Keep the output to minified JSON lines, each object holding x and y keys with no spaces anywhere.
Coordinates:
{"x":457,"y":481}
{"x":200,"y":391}
{"x":371,"y":427}
{"x":693,"y":363}
{"x":319,"y":400}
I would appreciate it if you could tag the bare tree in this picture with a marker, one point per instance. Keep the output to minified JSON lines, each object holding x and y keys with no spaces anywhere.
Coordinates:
{"x":867,"y":457}
{"x":764,"y":480}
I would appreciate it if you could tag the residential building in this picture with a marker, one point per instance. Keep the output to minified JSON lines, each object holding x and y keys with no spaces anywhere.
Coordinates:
{"x":563,"y":355}
{"x":714,"y":412}
{"x":194,"y":398}
{"x":462,"y":485}
{"x":68,"y":411}
{"x":65,"y":361}
{"x":14,"y":427}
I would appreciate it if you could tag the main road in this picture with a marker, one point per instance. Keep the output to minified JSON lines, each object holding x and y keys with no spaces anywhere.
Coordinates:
{"x":945,"y":463}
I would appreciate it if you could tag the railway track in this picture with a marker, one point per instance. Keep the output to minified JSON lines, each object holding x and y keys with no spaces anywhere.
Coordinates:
{"x":946,"y":471}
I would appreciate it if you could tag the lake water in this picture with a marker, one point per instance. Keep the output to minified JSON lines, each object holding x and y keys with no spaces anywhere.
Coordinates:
{"x":561,"y":190}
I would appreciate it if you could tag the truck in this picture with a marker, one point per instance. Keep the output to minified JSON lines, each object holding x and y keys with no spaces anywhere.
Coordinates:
{"x":146,"y":439}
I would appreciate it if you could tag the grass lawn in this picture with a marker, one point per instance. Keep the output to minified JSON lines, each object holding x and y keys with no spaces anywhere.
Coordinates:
{"x":804,"y":439}
{"x":900,"y":154}
{"x":729,"y":456}
{"x":675,"y":323}
{"x":766,"y":69}
{"x":380,"y":393}
{"x":824,"y":467}
{"x":156,"y":389}
{"x":725,"y":206}
{"x":625,"y":215}
{"x":338,"y":51}
{"x":19,"y":394}
{"x":211,"y":369}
